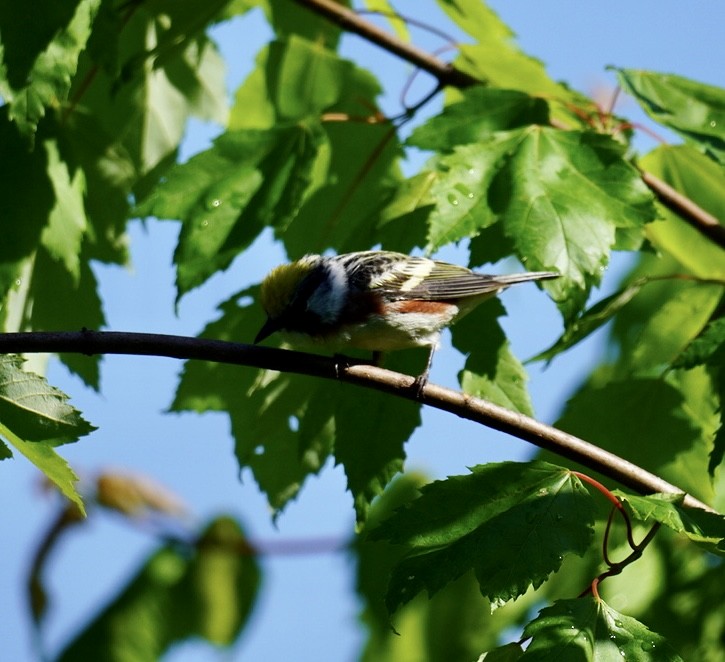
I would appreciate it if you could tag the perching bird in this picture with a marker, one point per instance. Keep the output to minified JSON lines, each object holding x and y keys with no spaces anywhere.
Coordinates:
{"x":374,"y":300}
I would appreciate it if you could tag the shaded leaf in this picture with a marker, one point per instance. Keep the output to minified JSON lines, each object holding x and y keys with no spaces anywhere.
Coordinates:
{"x":48,"y":78}
{"x":707,"y":348}
{"x":59,"y":303}
{"x":35,"y":410}
{"x":589,"y":629}
{"x":203,"y":590}
{"x":370,"y":431}
{"x":701,"y":526}
{"x":491,"y":370}
{"x":694,"y":110}
{"x":285,"y":426}
{"x":63,"y":235}
{"x":22,"y":216}
{"x":532,"y":512}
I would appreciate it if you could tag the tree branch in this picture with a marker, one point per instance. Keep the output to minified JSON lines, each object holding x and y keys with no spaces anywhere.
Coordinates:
{"x":348,"y":20}
{"x":461,"y":404}
{"x":692,"y":213}
{"x":446,"y":74}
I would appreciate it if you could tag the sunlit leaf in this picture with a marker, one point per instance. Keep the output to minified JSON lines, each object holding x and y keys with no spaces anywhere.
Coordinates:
{"x":589,"y":629}
{"x":42,"y":455}
{"x":481,"y":112}
{"x":695,"y":110}
{"x":35,"y":410}
{"x":226,"y":195}
{"x":535,"y":513}
{"x":706,"y":528}
{"x":701,"y":180}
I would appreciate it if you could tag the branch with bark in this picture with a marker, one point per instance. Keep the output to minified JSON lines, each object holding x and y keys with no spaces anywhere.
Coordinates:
{"x":461,"y":404}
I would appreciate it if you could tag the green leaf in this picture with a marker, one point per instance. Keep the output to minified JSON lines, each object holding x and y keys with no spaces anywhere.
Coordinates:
{"x":561,"y":196}
{"x":60,"y":303}
{"x":110,"y":174}
{"x":63,"y":235}
{"x":707,"y":348}
{"x":285,"y":426}
{"x":48,"y":78}
{"x":647,"y":422}
{"x":387,"y":10}
{"x":480,"y":112}
{"x":701,"y":180}
{"x":369,"y":438}
{"x":226,"y":195}
{"x":42,"y":455}
{"x":668,"y":330}
{"x":151,"y":68}
{"x":694,"y":110}
{"x":22,"y":216}
{"x":589,"y":629}
{"x":512,"y":523}
{"x":592,"y":319}
{"x":304,"y":78}
{"x":701,"y":526}
{"x":206,"y":590}
{"x":35,"y":410}
{"x":491,"y":371}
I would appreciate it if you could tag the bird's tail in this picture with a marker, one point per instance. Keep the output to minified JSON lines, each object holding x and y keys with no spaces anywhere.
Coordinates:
{"x":512,"y":279}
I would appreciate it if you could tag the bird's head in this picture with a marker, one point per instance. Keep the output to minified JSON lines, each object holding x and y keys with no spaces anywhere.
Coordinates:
{"x":285,"y":292}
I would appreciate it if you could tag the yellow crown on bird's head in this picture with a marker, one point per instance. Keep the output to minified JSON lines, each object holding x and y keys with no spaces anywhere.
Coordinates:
{"x":279,"y":286}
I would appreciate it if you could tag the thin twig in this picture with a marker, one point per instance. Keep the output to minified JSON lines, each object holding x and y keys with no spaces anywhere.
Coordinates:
{"x":695,"y":215}
{"x":348,"y":20}
{"x":461,"y":404}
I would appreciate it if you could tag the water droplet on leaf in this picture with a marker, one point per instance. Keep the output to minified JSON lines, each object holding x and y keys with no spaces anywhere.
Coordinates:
{"x":452,"y":199}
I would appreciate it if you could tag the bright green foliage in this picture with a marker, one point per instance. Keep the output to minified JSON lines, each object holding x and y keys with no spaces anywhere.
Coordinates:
{"x":264,"y":178}
{"x":699,"y":525}
{"x":561,"y":197}
{"x":206,"y":589}
{"x":34,"y":409}
{"x":589,"y":629}
{"x":696,"y":111}
{"x":535,"y":513}
{"x":42,"y":455}
{"x":96,"y":98}
{"x":34,"y":418}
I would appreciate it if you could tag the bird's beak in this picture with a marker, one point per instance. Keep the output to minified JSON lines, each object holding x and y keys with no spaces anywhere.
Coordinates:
{"x":269,"y":327}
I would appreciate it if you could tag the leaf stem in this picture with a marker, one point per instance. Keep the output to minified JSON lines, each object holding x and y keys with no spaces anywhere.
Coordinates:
{"x":353,"y":372}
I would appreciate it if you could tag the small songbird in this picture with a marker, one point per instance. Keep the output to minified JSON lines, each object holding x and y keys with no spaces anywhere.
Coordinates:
{"x":374,"y":300}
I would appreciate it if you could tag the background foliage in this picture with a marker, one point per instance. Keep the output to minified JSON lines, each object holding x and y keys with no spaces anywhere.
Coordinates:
{"x":96,"y":102}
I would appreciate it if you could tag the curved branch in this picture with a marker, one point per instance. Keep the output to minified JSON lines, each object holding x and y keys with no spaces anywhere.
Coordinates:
{"x":461,"y":404}
{"x":348,"y":20}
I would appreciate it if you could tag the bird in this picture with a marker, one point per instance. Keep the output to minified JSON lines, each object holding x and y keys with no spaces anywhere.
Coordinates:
{"x":375,"y":300}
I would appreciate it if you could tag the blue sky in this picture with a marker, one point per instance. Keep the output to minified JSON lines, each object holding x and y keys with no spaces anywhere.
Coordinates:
{"x":307,"y":606}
